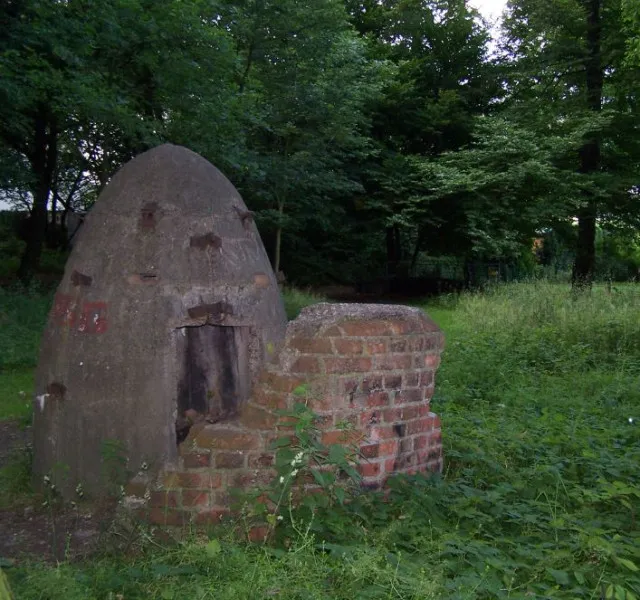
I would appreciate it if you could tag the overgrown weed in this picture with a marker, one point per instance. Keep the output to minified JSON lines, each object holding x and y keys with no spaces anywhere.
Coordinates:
{"x":295,"y":300}
{"x":539,"y":396}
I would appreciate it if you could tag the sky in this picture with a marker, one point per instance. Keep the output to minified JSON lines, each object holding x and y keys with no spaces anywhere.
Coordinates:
{"x":490,"y":9}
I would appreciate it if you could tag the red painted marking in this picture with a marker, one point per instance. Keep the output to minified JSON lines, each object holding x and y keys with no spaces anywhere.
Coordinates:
{"x":85,"y":317}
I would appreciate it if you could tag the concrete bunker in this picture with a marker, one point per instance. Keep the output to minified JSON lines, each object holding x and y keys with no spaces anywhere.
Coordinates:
{"x":166,"y":313}
{"x":168,"y":335}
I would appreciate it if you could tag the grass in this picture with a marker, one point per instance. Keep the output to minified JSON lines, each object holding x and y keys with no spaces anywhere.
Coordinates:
{"x":539,"y":395}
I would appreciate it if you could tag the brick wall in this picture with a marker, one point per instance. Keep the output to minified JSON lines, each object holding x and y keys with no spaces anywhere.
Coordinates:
{"x":372,"y":366}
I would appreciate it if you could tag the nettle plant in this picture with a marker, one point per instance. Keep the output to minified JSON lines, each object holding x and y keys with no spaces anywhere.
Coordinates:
{"x":310,"y":475}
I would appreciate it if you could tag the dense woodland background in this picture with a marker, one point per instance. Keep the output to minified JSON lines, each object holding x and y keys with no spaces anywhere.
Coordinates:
{"x":375,"y":139}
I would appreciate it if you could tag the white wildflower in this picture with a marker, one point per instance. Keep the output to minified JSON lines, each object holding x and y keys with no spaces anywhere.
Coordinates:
{"x":281,"y":479}
{"x":294,"y":472}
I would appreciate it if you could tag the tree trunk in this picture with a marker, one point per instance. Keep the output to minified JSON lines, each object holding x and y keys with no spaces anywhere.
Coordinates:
{"x":585,"y":263}
{"x":43,"y":160}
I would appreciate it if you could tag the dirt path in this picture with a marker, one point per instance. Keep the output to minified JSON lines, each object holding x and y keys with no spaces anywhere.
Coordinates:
{"x":30,"y":530}
{"x":13,"y":438}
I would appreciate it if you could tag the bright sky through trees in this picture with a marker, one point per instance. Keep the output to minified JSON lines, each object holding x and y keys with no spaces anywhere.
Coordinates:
{"x":490,"y":9}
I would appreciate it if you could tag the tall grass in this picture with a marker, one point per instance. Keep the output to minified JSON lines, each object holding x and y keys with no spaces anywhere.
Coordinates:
{"x":538,"y":392}
{"x":23,"y":314}
{"x":295,"y":300}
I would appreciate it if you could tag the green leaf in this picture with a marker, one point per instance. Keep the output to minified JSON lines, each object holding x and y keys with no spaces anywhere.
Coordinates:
{"x":561,"y":577}
{"x":213,"y":548}
{"x":625,"y":562}
{"x":319,"y":477}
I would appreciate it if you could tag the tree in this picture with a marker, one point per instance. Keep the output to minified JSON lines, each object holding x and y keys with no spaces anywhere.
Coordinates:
{"x":631,"y":16}
{"x":307,"y":71}
{"x":566,"y":75}
{"x":85,"y":85}
{"x":442,"y":82}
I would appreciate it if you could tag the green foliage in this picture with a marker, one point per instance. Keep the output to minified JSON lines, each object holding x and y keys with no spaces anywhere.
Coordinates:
{"x":15,"y":479}
{"x":295,"y":300}
{"x":538,"y":394}
{"x":23,"y":314}
{"x":16,"y":389}
{"x":631,"y":14}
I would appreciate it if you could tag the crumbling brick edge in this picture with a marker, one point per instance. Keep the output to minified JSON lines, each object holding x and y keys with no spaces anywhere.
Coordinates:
{"x":372,"y":366}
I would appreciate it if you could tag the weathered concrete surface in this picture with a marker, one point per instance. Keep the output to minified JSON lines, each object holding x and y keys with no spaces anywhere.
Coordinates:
{"x":167,"y":295}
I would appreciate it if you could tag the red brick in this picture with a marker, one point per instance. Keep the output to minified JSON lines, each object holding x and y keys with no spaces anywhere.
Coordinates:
{"x":424,"y":410}
{"x":383,"y":432}
{"x":306,"y":364}
{"x":343,"y":346}
{"x":423,"y":456}
{"x":426,"y":378}
{"x":390,"y":465}
{"x":279,"y":382}
{"x":427,"y":324}
{"x":393,"y":382}
{"x":229,"y":460}
{"x":398,"y":346}
{"x":406,"y":445}
{"x":168,"y":517}
{"x":432,"y":361}
{"x":324,"y":421}
{"x":250,"y":479}
{"x":411,"y":379}
{"x":196,"y":460}
{"x":393,"y":362}
{"x":370,"y":417}
{"x":346,"y":418}
{"x":162,"y":498}
{"x":273,"y":400}
{"x":217,"y":438}
{"x":198,"y":480}
{"x":401,"y":414}
{"x":420,"y":426}
{"x":259,"y":534}
{"x":333,"y":332}
{"x":195,"y":498}
{"x":253,"y":417}
{"x":347,"y":365}
{"x":326,"y":403}
{"x":369,"y":469}
{"x":377,"y":347}
{"x":389,"y":448}
{"x":367,"y":328}
{"x":436,"y":439}
{"x":435,"y":466}
{"x":410,"y":327}
{"x":420,"y":442}
{"x":390,"y":415}
{"x":410,"y":395}
{"x":436,"y":421}
{"x":435,"y":454}
{"x":341,"y":437}
{"x":428,"y":392}
{"x":372,"y":384}
{"x":258,"y":461}
{"x":435,"y":341}
{"x":211,"y":517}
{"x":416,"y":343}
{"x":377,"y":399}
{"x":311,"y":345}
{"x":370,"y":451}
{"x":348,"y":386}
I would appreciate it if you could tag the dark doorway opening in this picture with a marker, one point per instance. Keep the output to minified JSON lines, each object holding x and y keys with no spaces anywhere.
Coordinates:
{"x":216,"y":377}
